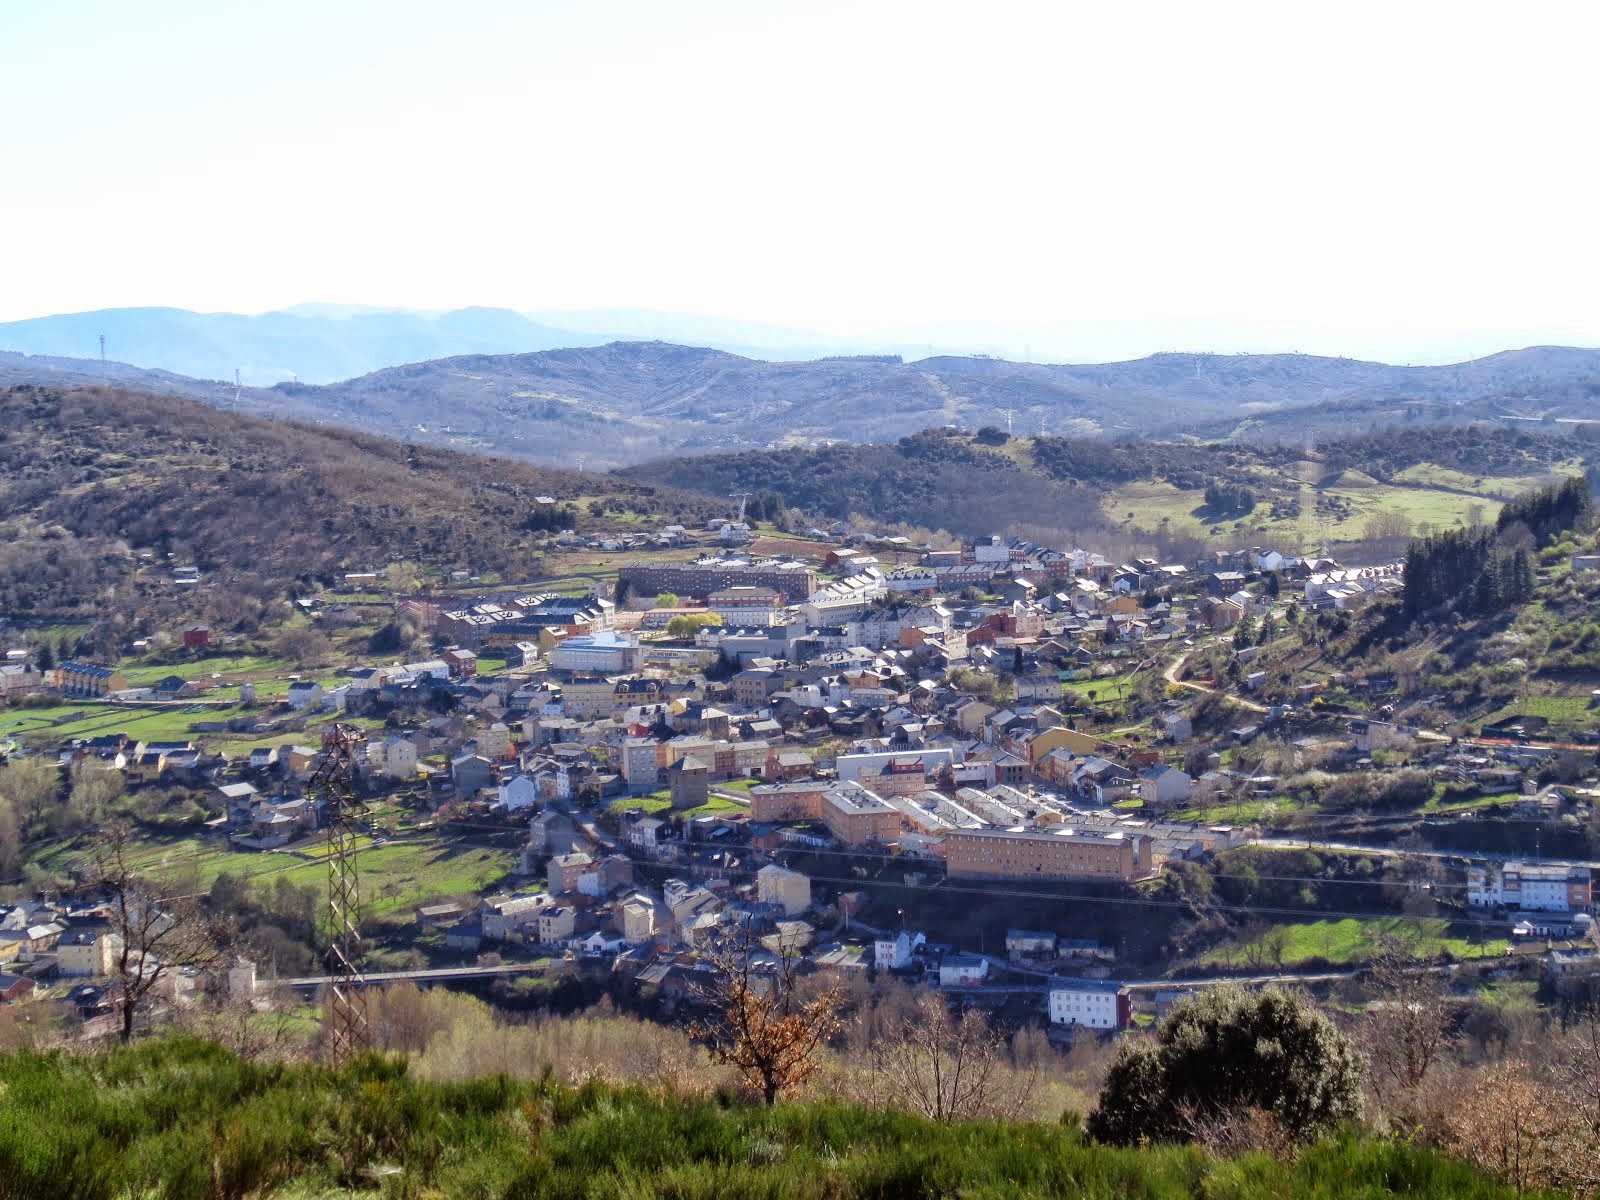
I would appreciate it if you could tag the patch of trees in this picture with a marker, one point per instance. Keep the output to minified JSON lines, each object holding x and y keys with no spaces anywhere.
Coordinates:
{"x":1549,"y":512}
{"x":1472,"y":450}
{"x":1470,"y":571}
{"x":934,"y":479}
{"x":551,"y":518}
{"x":1226,"y":499}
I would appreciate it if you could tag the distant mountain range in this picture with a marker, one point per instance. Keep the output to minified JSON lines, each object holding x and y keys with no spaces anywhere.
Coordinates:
{"x":323,"y":343}
{"x":628,"y":402}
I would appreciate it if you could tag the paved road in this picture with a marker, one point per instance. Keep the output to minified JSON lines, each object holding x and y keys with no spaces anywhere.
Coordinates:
{"x":375,"y":978}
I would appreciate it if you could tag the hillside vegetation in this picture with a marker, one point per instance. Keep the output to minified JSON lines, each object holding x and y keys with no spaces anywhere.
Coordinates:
{"x":92,"y":477}
{"x":1381,"y":488}
{"x":181,"y":1118}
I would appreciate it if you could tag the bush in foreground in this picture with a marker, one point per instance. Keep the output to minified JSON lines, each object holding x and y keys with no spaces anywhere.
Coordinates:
{"x":1228,"y":1059}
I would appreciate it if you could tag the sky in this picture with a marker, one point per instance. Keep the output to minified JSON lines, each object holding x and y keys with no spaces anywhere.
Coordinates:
{"x":1407,"y":181}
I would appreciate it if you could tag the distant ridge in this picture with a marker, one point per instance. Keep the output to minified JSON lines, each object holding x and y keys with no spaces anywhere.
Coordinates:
{"x":621,"y":403}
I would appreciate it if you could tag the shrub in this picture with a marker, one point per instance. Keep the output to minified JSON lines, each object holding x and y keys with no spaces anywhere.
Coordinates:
{"x":1227,"y":1053}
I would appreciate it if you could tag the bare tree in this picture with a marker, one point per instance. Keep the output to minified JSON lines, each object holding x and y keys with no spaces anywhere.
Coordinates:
{"x":761,"y":1023}
{"x":1503,"y":1123}
{"x":1575,"y":1064}
{"x":1409,"y":1020}
{"x":160,"y":930}
{"x":947,"y":1068}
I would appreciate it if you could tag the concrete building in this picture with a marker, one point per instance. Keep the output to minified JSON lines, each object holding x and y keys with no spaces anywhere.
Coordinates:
{"x":789,"y":890}
{"x":1093,"y":1003}
{"x":605,"y":652}
{"x":699,"y":579}
{"x":1529,"y":887}
{"x":1054,"y":853}
{"x":744,"y":606}
{"x":87,"y":952}
{"x":1163,"y":787}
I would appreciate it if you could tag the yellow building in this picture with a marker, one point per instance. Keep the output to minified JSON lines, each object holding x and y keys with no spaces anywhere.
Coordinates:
{"x":1060,"y":738}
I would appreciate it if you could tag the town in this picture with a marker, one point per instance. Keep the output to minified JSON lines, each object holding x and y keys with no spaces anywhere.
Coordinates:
{"x":954,"y":767}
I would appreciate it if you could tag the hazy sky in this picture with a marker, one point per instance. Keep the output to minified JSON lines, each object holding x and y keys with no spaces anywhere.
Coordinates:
{"x":1396,"y":179}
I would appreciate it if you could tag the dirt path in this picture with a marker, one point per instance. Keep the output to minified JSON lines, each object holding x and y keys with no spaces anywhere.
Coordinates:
{"x":1170,"y":674}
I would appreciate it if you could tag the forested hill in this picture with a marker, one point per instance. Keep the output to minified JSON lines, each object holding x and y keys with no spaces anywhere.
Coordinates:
{"x":91,"y":478}
{"x":1213,"y":494}
{"x":628,"y":402}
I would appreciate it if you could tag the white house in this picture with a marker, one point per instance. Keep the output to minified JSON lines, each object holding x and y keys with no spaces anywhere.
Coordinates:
{"x":518,"y":794}
{"x":645,"y":833}
{"x":895,"y":953}
{"x":1094,"y":1003}
{"x":433,"y":668}
{"x":1164,"y":787}
{"x":304,"y":694}
{"x":963,"y":970}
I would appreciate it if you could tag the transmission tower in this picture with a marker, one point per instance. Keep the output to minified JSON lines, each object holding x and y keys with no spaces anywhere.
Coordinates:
{"x":743,"y":498}
{"x":348,"y":1032}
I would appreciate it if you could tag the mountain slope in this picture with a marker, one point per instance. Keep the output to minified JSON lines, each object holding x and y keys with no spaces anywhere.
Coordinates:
{"x":626,"y":402}
{"x":629,"y":402}
{"x":91,"y":478}
{"x":1376,"y":488}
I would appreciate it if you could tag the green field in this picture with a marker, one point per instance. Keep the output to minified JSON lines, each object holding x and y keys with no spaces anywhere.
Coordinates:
{"x":395,"y":876}
{"x":141,"y":671}
{"x":1350,"y":940}
{"x":1157,"y":506}
{"x":658,"y":803}
{"x":1245,"y":812}
{"x":1570,"y":713}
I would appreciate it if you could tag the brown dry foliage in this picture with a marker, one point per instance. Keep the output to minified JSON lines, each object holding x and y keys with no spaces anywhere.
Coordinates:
{"x":762,"y":1023}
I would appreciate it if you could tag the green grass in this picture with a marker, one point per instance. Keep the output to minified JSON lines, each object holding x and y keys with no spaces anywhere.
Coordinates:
{"x":184,"y":1119}
{"x":1439,"y":501}
{"x":397,"y":875}
{"x":143,"y":671}
{"x":1569,"y":713}
{"x":659,"y":803}
{"x":1467,"y":803}
{"x":1350,"y":940}
{"x":164,"y":723}
{"x":1245,"y":812}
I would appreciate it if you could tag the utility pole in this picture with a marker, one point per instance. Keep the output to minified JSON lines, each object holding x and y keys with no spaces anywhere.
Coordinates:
{"x":348,"y":1029}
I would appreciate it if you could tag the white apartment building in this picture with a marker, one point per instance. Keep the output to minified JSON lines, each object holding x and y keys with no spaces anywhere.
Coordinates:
{"x":1529,"y":887}
{"x":1092,"y":1003}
